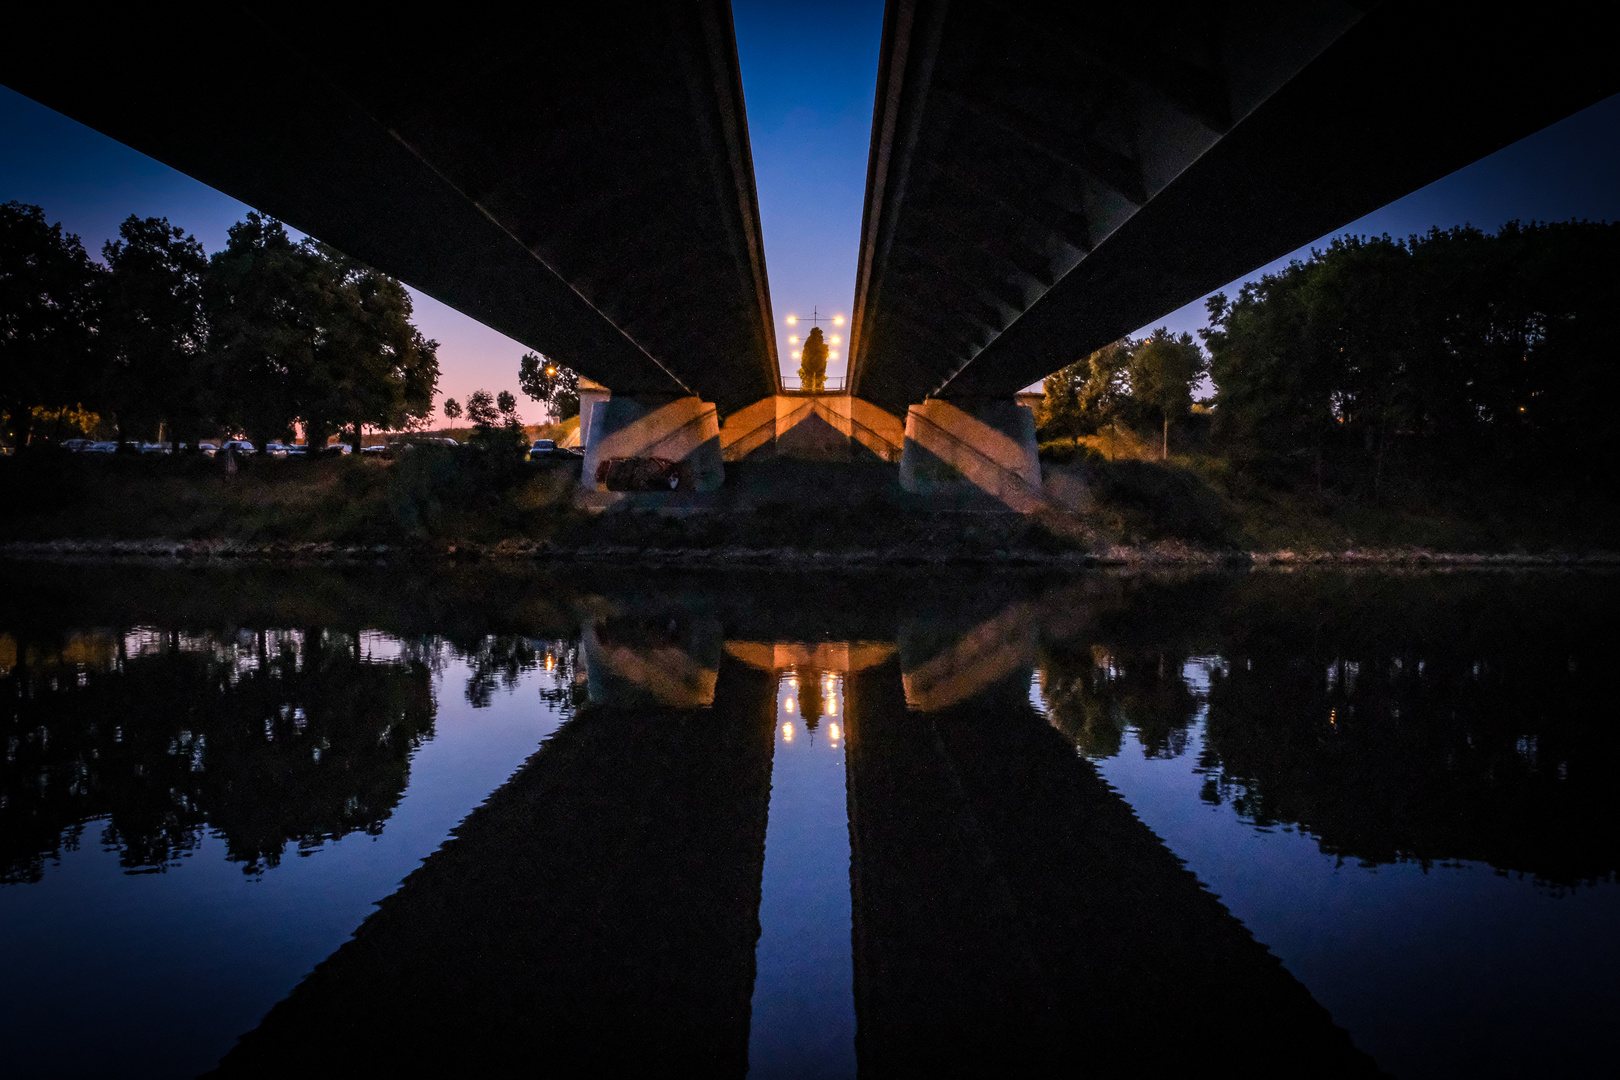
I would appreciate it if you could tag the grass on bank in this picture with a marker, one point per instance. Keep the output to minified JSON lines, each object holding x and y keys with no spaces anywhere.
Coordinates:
{"x":1204,"y":499}
{"x":467,"y":495}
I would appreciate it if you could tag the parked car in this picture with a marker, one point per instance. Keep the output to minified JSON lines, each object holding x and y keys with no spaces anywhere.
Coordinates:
{"x":643,"y":474}
{"x":76,"y":445}
{"x":337,"y":448}
{"x":297,"y":450}
{"x":101,"y":448}
{"x":376,"y":451}
{"x":208,"y":448}
{"x":275,"y":448}
{"x":548,"y":450}
{"x":156,"y":448}
{"x":241,"y":446}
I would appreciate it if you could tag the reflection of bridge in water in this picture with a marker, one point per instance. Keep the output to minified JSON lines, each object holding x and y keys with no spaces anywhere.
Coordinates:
{"x":601,"y":910}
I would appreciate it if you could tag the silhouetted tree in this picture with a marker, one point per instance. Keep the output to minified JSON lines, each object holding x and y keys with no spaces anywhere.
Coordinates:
{"x":545,"y":381}
{"x":452,"y":409}
{"x":261,"y":303}
{"x":1464,"y":346}
{"x":153,"y":329}
{"x":481,"y":409}
{"x":48,"y":316}
{"x":1163,"y":369}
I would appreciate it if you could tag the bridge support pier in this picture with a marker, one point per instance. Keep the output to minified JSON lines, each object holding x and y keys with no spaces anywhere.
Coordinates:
{"x":681,"y":429}
{"x":973,"y":447}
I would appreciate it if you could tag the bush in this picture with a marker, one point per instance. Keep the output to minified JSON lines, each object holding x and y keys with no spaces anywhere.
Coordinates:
{"x":1160,"y":501}
{"x":430,"y":481}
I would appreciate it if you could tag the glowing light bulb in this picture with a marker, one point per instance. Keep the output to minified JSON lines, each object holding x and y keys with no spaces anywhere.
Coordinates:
{"x":792,"y":319}
{"x":838,"y":320}
{"x":795,"y":354}
{"x":833,"y":339}
{"x":793,"y":339}
{"x":832,"y":356}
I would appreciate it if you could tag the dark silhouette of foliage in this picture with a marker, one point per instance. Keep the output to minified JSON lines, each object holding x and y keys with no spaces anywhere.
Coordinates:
{"x":548,"y":382}
{"x":153,"y":330}
{"x":1457,"y":346}
{"x":49,"y":298}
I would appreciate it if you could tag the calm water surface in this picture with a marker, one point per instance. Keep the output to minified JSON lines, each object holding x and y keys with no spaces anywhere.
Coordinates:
{"x":800,"y":826}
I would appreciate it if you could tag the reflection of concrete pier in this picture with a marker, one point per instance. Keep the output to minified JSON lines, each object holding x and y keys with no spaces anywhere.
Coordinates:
{"x":598,"y":914}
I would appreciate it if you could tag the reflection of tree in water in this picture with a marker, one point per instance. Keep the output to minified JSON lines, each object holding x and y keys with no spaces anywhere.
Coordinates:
{"x":267,"y":737}
{"x":501,"y":661}
{"x":1421,"y":719}
{"x":1094,"y":693}
{"x":1424,"y":756}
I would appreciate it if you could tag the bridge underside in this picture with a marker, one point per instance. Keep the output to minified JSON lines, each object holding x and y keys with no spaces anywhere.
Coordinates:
{"x":1047,"y":179}
{"x":578,"y":178}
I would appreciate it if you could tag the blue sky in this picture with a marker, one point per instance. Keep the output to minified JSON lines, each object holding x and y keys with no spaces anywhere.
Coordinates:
{"x":809,"y":72}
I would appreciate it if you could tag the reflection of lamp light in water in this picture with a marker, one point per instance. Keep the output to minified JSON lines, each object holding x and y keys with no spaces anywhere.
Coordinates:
{"x":787,"y":732}
{"x":832,"y":708}
{"x":551,"y":662}
{"x":833,"y":732}
{"x":787,"y":705}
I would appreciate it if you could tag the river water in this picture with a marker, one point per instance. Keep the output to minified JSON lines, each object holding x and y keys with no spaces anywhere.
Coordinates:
{"x":494,"y":821}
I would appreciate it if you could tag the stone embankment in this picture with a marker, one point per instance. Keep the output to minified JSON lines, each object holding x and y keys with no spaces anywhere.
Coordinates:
{"x":1168,"y":554}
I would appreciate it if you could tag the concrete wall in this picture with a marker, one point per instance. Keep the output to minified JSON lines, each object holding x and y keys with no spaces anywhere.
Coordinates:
{"x":815,"y":427}
{"x":978,"y":447}
{"x":679,"y":429}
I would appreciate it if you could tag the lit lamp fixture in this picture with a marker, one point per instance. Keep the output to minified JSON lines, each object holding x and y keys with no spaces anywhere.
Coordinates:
{"x":833,"y":339}
{"x":832,"y":356}
{"x":792,"y":319}
{"x":793,"y":339}
{"x":795,"y":354}
{"x":838,"y":320}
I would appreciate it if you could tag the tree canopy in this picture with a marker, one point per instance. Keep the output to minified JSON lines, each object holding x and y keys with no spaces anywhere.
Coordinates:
{"x":49,"y":310}
{"x":551,"y":384}
{"x":267,"y":333}
{"x":1458,"y":344}
{"x":813,"y":361}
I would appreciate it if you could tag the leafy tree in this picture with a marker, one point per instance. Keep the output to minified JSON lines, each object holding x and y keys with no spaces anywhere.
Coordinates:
{"x":1089,"y":394}
{"x":481,"y":409}
{"x":153,"y":329}
{"x":371,"y":365}
{"x":452,"y":409}
{"x":260,"y":299}
{"x":813,"y":361}
{"x":48,"y":318}
{"x":1163,"y":369}
{"x":545,"y":381}
{"x":507,"y":404}
{"x":1456,"y":345}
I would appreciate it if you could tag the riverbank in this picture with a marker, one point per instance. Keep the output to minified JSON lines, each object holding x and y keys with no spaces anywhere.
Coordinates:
{"x":1149,"y":555}
{"x":788,"y":514}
